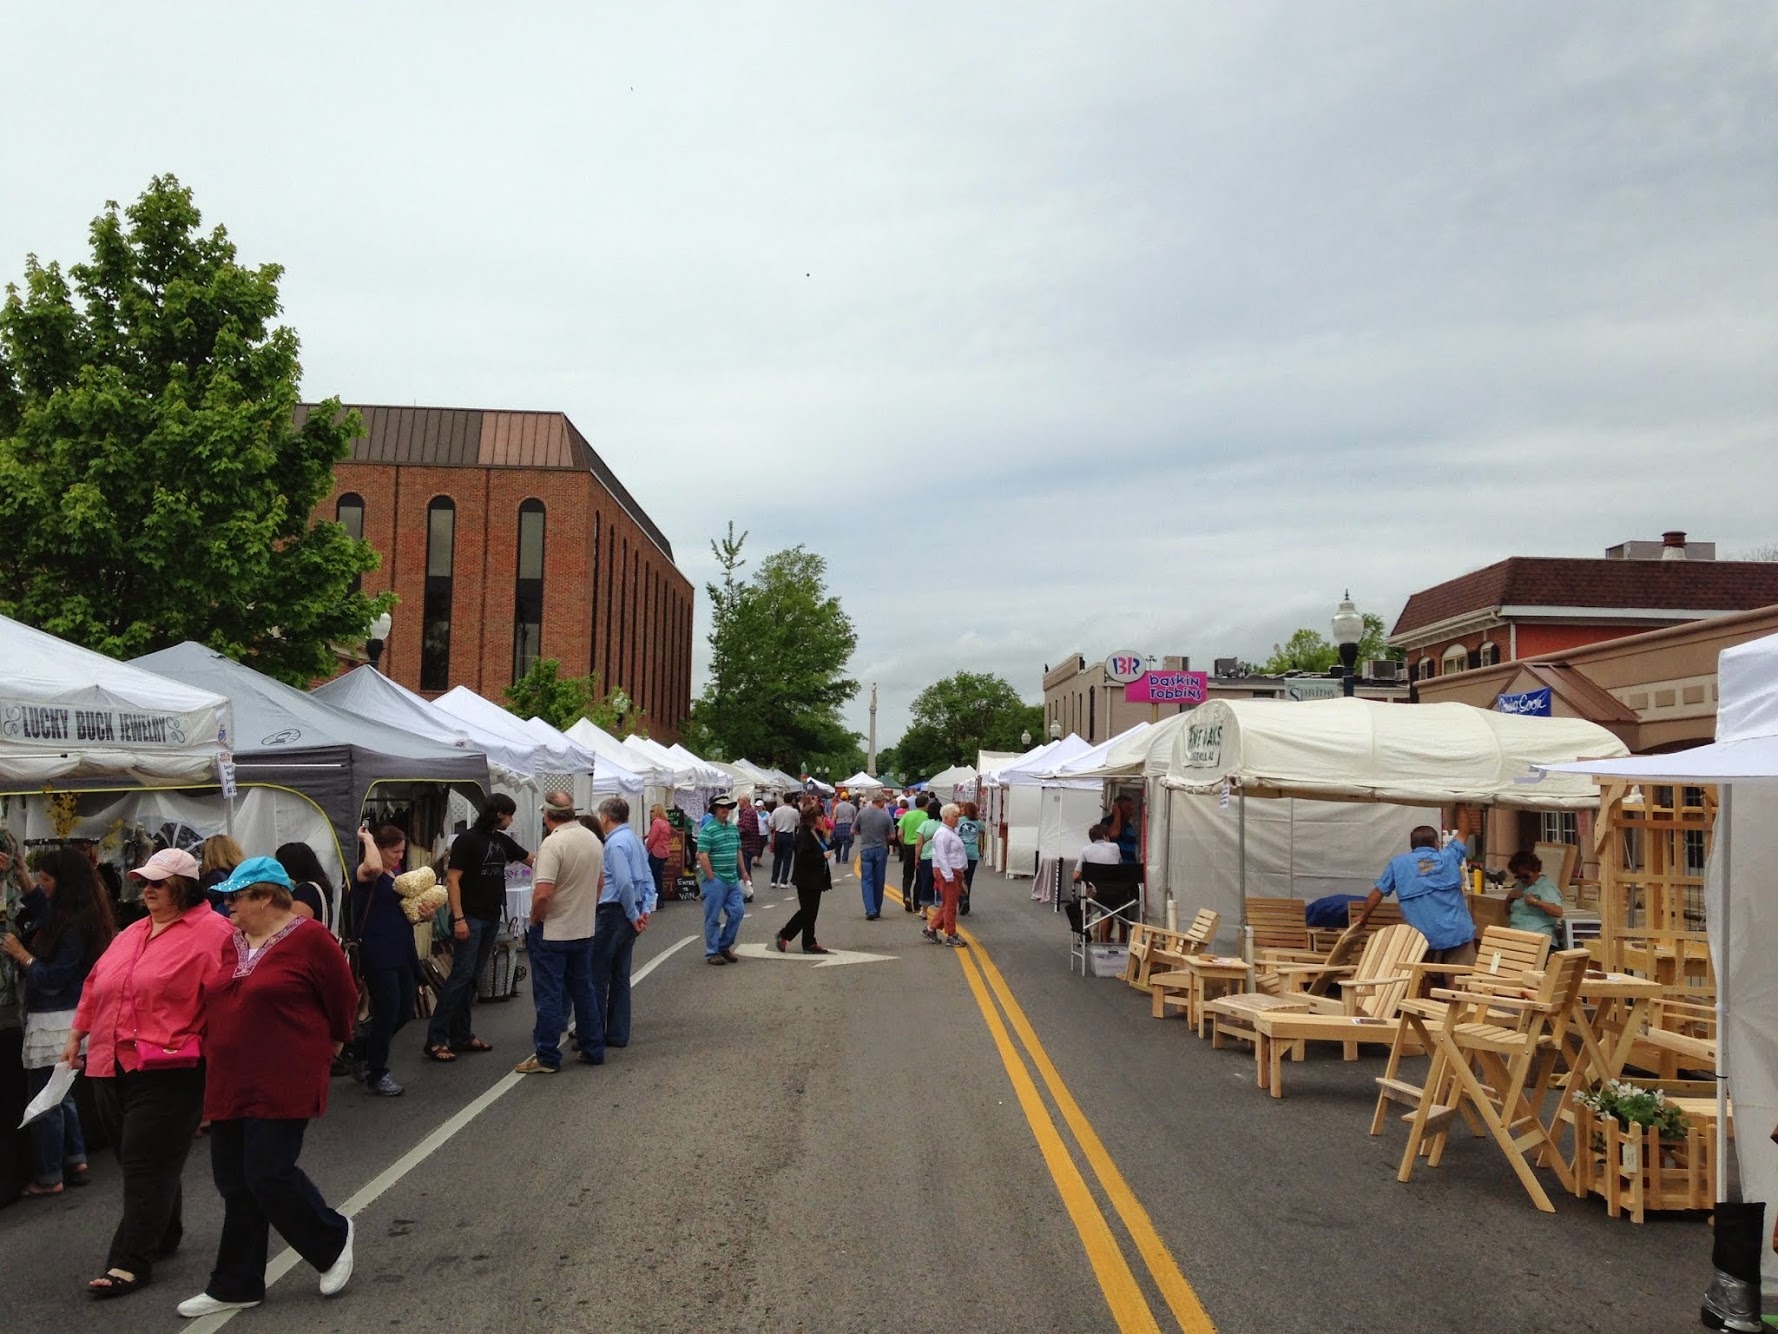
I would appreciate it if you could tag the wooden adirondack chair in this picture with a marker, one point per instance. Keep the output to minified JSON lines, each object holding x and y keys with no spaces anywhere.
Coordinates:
{"x":1280,"y":936}
{"x":1503,"y":957}
{"x":1388,"y":913}
{"x":1364,"y":1014}
{"x":1153,"y":947}
{"x":1497,"y":1054}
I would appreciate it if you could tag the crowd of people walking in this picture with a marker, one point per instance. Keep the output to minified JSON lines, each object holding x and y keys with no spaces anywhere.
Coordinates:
{"x":224,"y":1009}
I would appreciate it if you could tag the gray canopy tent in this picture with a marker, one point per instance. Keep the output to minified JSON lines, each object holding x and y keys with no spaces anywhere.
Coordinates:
{"x":290,"y":740}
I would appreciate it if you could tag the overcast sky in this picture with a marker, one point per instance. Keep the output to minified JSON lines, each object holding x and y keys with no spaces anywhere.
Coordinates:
{"x":1053,"y":327}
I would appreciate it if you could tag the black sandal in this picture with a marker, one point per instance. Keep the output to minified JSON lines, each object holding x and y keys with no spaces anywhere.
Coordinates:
{"x":474,"y":1044}
{"x":440,"y":1053}
{"x":116,"y":1285}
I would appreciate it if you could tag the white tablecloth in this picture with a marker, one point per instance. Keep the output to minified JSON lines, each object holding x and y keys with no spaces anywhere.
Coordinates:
{"x":518,"y":904}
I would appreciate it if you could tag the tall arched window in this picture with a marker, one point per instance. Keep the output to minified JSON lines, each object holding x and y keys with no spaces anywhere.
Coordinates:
{"x":527,"y":601}
{"x":592,"y":597}
{"x":350,"y":515}
{"x":1456,"y":659}
{"x":1490,"y":654}
{"x":435,"y":615}
{"x":1092,"y":712}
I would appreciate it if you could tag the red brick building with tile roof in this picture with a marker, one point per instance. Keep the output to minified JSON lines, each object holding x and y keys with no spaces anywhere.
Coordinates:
{"x":1536,"y":606}
{"x":508,"y":539}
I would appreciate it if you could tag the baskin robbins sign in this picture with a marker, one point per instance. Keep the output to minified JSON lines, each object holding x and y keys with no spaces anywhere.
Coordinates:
{"x":1168,"y":688}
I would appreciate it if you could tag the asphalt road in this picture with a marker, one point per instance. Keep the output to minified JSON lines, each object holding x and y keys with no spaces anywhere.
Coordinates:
{"x":874,"y":1147}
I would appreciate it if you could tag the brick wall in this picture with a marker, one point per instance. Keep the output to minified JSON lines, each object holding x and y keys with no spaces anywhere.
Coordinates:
{"x":612,"y":602}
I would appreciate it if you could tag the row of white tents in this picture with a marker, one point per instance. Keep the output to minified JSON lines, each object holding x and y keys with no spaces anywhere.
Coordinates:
{"x":158,"y":738}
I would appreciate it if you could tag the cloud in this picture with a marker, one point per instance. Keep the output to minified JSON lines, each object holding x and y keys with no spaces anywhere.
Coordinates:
{"x":1073,"y":329}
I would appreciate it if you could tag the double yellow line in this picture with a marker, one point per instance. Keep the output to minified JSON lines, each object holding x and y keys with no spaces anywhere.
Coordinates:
{"x":1129,"y":1304}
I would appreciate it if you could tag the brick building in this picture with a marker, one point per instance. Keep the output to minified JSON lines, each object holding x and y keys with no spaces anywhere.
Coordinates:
{"x":508,"y":539}
{"x":1536,"y":606}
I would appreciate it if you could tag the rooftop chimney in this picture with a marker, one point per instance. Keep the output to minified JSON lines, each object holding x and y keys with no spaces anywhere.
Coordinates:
{"x":1673,"y":546}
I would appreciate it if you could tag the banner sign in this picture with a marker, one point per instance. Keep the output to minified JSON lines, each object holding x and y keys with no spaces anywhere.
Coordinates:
{"x":1204,"y":745}
{"x":1532,"y":703}
{"x":1167,"y":688}
{"x":59,"y":724}
{"x":1300,"y":690}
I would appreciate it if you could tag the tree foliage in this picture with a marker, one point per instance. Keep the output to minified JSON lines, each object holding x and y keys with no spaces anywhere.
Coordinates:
{"x":955,"y":719}
{"x":779,"y":644}
{"x":1309,"y":651}
{"x":153,"y":485}
{"x":543,"y":692}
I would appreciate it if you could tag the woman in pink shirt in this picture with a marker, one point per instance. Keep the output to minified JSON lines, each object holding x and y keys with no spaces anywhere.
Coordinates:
{"x":659,"y":842}
{"x":142,"y":1014}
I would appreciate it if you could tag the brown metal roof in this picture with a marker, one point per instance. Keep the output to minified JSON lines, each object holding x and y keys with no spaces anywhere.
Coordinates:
{"x":485,"y":438}
{"x":1552,"y":581}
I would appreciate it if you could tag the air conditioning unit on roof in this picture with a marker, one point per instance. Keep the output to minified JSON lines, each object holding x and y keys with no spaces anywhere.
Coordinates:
{"x":1385,"y":669}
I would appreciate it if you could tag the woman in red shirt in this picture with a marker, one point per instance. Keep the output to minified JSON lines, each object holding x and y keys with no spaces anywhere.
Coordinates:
{"x":142,"y":1014}
{"x":282,"y":1002}
{"x":659,"y":843}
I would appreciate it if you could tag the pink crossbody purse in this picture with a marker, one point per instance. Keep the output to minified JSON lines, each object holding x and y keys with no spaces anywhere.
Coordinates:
{"x":151,"y":1056}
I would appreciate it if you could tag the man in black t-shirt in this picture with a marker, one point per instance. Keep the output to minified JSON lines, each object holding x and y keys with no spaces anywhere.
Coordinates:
{"x":475,"y":881}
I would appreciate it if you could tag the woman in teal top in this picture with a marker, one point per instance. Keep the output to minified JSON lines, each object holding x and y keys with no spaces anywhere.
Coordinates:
{"x":1535,"y":904}
{"x":969,"y":829}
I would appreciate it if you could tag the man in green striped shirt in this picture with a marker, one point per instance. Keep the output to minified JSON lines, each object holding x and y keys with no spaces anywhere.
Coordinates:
{"x":719,"y":859}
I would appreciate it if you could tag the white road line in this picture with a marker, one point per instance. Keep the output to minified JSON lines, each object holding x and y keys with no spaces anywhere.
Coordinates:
{"x":286,"y":1260}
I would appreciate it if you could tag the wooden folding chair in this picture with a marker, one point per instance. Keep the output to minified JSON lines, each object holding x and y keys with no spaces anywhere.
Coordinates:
{"x":1498,"y":1053}
{"x":1503,"y":958}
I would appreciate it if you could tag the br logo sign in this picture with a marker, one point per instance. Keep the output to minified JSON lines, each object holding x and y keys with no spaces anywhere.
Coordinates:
{"x":1123,"y":668}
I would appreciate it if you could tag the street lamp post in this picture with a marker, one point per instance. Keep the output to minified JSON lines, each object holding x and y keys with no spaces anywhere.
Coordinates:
{"x":379,"y":635}
{"x":1025,"y":738}
{"x":1055,"y":731}
{"x":1348,"y":629}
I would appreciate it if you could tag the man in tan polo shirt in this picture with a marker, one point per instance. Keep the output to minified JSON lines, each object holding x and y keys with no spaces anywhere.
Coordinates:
{"x":564,"y":908}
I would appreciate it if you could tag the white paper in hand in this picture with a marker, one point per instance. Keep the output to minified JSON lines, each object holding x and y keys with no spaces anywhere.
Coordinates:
{"x":61,"y":1079}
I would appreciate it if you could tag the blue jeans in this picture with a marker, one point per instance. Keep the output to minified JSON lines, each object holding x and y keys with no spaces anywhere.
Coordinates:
{"x":873,"y":869}
{"x":923,"y":891}
{"x":722,"y":899}
{"x":614,"y":941}
{"x":562,"y":975}
{"x":56,"y":1140}
{"x":449,"y":1025}
{"x":783,"y":853}
{"x":842,"y":844}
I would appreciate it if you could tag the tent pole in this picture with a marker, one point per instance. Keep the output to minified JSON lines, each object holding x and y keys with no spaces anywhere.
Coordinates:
{"x":1725,"y":845}
{"x":1241,"y":862}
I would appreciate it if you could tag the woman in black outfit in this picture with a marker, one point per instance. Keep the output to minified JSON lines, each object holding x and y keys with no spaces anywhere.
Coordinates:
{"x":808,"y":872}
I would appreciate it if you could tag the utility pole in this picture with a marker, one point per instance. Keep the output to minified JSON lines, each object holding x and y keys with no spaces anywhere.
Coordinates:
{"x":870,"y":765}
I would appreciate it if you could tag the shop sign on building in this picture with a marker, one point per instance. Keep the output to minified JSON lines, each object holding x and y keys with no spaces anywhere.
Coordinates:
{"x":1531,"y":703}
{"x":1301,"y":690}
{"x":1124,"y":667}
{"x":1168,"y":688}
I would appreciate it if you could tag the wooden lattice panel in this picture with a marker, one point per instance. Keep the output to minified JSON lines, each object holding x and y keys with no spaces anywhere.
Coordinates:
{"x":1653,"y":842}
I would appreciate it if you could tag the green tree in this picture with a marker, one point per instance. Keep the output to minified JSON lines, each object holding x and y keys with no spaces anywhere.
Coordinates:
{"x":153,"y":485}
{"x":1308,"y":651}
{"x":779,"y":644}
{"x":543,"y":692}
{"x":953,"y":720}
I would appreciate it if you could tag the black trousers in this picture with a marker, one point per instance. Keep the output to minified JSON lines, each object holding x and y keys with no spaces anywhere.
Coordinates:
{"x":391,"y":1005}
{"x":908,"y":866}
{"x":150,"y":1117}
{"x":808,"y":907}
{"x":254,"y":1164}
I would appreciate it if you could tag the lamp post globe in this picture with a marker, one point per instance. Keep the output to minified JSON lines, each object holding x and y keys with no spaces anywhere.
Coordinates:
{"x":377,"y":637}
{"x":1055,"y":731}
{"x":1348,"y":630}
{"x":1025,"y":738}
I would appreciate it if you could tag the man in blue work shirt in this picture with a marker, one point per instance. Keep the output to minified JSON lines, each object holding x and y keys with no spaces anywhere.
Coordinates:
{"x":1428,"y":883}
{"x":626,"y":899}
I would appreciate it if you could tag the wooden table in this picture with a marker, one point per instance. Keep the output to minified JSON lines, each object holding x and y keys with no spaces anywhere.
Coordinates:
{"x":1203,"y":977}
{"x":1611,"y":1013}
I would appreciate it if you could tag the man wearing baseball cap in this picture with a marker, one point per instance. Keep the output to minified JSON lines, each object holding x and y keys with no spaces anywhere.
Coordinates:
{"x":719,"y":858}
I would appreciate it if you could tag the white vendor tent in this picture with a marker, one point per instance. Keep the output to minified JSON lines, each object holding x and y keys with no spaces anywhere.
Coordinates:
{"x":368,"y":693}
{"x":610,"y":750}
{"x":1741,"y":911}
{"x":1022,"y":784}
{"x":551,"y":759}
{"x":68,"y":714}
{"x":1075,"y":794}
{"x":693,"y":781}
{"x":1144,"y":751}
{"x":1362,"y":750}
{"x":292,"y":740}
{"x":863,"y":782}
{"x":608,"y":776}
{"x":992,"y":801}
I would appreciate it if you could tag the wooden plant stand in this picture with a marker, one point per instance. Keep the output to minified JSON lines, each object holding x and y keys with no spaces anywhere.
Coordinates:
{"x":1635,"y":1170}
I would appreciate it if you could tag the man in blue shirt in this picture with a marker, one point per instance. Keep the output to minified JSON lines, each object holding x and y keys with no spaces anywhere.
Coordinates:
{"x":1428,"y":883}
{"x":626,"y":900}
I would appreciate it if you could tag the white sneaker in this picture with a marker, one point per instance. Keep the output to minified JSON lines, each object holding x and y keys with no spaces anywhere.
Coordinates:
{"x":339,"y":1273}
{"x":204,"y":1304}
